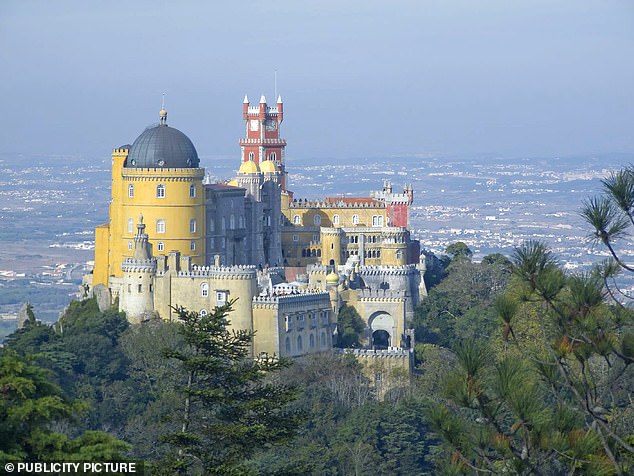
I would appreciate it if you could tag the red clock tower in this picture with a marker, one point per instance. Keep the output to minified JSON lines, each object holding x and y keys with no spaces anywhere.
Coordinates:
{"x":262,"y":141}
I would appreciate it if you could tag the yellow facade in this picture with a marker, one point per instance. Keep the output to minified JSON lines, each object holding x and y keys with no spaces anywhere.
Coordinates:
{"x":329,"y":233}
{"x":172,"y":202}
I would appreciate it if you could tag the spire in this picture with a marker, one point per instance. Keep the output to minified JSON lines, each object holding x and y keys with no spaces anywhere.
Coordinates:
{"x":246,"y":99}
{"x":262,"y":99}
{"x":279,"y":99}
{"x":163,"y":113}
{"x":141,"y":251}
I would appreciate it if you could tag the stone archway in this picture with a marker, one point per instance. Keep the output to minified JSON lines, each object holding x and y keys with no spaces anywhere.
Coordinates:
{"x":382,"y":330}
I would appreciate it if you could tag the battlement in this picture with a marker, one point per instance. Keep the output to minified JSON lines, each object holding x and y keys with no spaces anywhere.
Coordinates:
{"x":337,"y":203}
{"x":295,"y":298}
{"x":121,"y":151}
{"x":381,"y":295}
{"x":391,"y":353}
{"x":136,"y":265}
{"x":393,"y":198}
{"x":278,"y":142}
{"x":221,"y":272}
{"x":158,"y":173}
{"x":405,"y":270}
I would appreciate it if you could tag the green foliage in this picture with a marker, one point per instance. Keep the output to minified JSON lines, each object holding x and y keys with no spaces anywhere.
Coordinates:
{"x":462,"y":305}
{"x":350,"y":327}
{"x":459,"y":250}
{"x":551,"y":399}
{"x":29,"y":406}
{"x":231,"y":405}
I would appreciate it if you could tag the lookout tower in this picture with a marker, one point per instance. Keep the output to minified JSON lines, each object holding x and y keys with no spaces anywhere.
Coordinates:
{"x":262,"y":139}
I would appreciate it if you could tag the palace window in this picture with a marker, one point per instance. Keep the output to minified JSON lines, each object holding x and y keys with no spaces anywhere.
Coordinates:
{"x":203,"y":312}
{"x":295,"y":238}
{"x":131,"y":190}
{"x":192,"y":245}
{"x":355,"y":219}
{"x":204,"y":289}
{"x":160,"y":191}
{"x":323,"y":339}
{"x":377,"y":220}
{"x":317,"y":220}
{"x":251,"y":156}
{"x":129,"y":245}
{"x":160,"y":246}
{"x":192,"y":191}
{"x":232,"y":222}
{"x":300,"y":347}
{"x":335,"y":220}
{"x":192,"y":225}
{"x":312,"y":341}
{"x":296,"y":220}
{"x":160,"y":226}
{"x":130,"y":225}
{"x":221,"y":297}
{"x":288,"y":345}
{"x":273,"y":156}
{"x":211,"y":224}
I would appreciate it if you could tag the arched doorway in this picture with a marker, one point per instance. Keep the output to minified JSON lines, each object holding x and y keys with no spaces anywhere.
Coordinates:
{"x":380,"y":339}
{"x":383,"y":329}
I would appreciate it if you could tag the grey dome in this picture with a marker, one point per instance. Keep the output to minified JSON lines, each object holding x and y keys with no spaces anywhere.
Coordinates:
{"x":162,"y":146}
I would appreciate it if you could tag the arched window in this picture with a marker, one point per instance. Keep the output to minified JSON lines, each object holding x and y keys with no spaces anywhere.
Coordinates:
{"x":211,"y":224}
{"x":203,"y":312}
{"x":317,"y":220}
{"x":192,"y":225}
{"x":296,"y":220}
{"x":160,"y":225}
{"x":160,"y":246}
{"x":312,"y":341}
{"x":130,"y":245}
{"x":323,"y":339}
{"x":130,"y":225}
{"x":192,"y":245}
{"x":223,"y":224}
{"x":273,"y":156}
{"x":204,"y":289}
{"x":251,"y":156}
{"x":335,"y":220}
{"x":288,"y":345}
{"x":131,"y":190}
{"x":192,"y":191}
{"x":355,"y":219}
{"x":160,"y":191}
{"x":319,"y":253}
{"x":232,"y":222}
{"x":300,"y":347}
{"x":241,"y":221}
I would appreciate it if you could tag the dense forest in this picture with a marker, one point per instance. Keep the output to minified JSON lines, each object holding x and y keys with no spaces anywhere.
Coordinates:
{"x":521,"y":368}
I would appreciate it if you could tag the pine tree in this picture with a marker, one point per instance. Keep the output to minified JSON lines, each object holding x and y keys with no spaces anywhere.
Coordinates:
{"x":232,"y":405}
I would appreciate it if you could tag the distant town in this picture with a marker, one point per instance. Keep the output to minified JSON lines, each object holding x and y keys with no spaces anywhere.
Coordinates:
{"x":48,"y":211}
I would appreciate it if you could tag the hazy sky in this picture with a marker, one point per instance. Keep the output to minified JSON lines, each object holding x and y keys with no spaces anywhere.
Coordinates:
{"x":358,"y":78}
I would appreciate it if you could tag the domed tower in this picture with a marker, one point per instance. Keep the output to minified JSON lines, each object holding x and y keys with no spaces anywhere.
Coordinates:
{"x":158,"y":174}
{"x":136,"y":297}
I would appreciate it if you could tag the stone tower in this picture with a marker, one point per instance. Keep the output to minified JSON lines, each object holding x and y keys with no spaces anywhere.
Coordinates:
{"x":136,"y":297}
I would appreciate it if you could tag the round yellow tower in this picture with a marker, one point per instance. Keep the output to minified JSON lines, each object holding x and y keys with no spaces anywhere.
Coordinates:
{"x":159,"y":178}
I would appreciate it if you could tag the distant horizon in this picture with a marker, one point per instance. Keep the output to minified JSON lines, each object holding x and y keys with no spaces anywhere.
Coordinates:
{"x":359,"y":79}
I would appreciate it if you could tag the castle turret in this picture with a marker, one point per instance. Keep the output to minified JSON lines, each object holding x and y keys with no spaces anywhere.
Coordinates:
{"x":136,"y":298}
